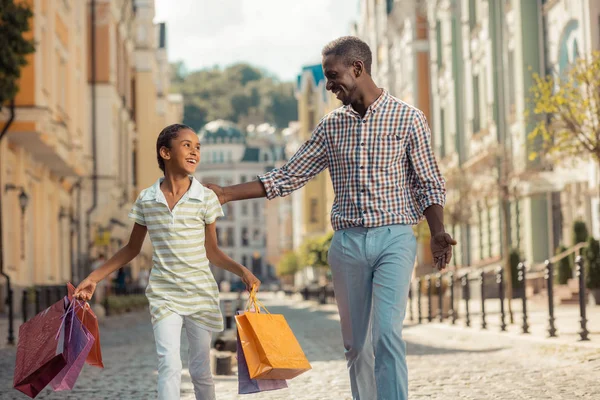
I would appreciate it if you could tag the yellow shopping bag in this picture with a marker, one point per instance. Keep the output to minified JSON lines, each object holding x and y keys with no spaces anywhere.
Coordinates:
{"x":270,"y":347}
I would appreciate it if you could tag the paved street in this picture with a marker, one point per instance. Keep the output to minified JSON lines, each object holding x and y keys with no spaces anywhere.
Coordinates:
{"x":445,"y":363}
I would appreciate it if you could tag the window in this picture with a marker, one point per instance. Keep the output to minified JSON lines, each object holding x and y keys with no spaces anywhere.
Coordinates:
{"x":511,"y":80}
{"x":225,"y":237}
{"x":256,"y":235}
{"x":256,"y":209}
{"x":219,"y":237}
{"x":244,"y":209}
{"x":245,"y":261}
{"x":438,"y":40}
{"x":243,"y":179}
{"x":442,"y":145}
{"x":476,"y":106}
{"x":472,"y":14}
{"x":314,"y":210}
{"x":244,"y":236}
{"x":230,"y":238}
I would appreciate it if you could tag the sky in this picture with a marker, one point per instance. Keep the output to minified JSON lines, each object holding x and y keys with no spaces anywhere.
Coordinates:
{"x":278,"y":35}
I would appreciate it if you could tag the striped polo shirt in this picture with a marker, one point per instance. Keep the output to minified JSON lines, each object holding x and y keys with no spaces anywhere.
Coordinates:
{"x":181,"y":281}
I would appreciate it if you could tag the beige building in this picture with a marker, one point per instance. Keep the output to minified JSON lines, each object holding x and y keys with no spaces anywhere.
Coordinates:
{"x":46,"y":149}
{"x":110,"y":190}
{"x":90,"y":98}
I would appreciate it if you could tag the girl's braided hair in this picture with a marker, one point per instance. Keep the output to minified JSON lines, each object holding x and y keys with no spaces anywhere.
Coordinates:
{"x":164,"y":140}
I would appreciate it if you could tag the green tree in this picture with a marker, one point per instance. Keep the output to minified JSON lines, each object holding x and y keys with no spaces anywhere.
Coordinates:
{"x":580,"y":232}
{"x":565,"y":267}
{"x":14,"y":22}
{"x":238,"y":93}
{"x":564,"y":110}
{"x":288,"y":265}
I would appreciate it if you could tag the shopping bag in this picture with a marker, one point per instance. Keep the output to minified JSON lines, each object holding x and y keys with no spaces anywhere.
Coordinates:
{"x":270,"y":347}
{"x":40,"y":352}
{"x":79,"y":342}
{"x":90,"y":321}
{"x":246,"y":385}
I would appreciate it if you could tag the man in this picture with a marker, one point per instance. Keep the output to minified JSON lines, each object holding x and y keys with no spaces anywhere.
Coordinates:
{"x":385,"y":179}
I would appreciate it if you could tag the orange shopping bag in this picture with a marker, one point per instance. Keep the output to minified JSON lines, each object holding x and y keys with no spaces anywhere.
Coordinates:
{"x":90,"y":321}
{"x":270,"y":347}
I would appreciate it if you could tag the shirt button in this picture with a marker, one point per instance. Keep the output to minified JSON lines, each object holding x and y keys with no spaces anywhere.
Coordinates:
{"x":362,"y":191}
{"x":364,"y":121}
{"x":362,"y":144}
{"x":362,"y":167}
{"x":364,"y":211}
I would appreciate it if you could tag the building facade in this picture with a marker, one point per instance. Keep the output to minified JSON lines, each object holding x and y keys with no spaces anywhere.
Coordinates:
{"x":230,"y":156}
{"x":46,"y":149}
{"x":71,"y":150}
{"x":312,"y":203}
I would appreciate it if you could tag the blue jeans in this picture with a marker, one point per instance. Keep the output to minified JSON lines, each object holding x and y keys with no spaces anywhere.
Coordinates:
{"x":372,"y":269}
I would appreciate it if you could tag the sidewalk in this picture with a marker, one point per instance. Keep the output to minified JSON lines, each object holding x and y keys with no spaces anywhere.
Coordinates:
{"x":567,"y":319}
{"x":445,"y":363}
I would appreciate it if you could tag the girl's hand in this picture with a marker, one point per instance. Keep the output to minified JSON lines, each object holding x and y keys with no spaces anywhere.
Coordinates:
{"x":85,"y":290}
{"x":251,"y":281}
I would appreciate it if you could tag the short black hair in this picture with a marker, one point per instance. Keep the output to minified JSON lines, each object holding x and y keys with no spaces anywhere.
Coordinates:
{"x":351,"y":49}
{"x":164,"y":140}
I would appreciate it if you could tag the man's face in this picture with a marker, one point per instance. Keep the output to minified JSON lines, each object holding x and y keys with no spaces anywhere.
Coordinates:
{"x":341,"y":79}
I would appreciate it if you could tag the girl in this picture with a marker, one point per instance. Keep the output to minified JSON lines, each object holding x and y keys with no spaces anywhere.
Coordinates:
{"x":179,"y":214}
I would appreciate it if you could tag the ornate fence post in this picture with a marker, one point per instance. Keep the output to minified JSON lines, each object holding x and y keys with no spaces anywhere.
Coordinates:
{"x":549,"y":276}
{"x":580,"y":272}
{"x":419,"y":312}
{"x":522,"y":276}
{"x":429,"y":289}
{"x":482,"y":282}
{"x":451,"y":312}
{"x":438,"y":284}
{"x":465,"y":285}
{"x":500,"y":282}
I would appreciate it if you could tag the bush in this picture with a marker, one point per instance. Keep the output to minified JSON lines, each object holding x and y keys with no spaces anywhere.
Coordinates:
{"x":288,"y":265}
{"x":515,"y":259}
{"x":565,"y":267}
{"x":592,"y":264}
{"x":580,"y":232}
{"x":121,"y":304}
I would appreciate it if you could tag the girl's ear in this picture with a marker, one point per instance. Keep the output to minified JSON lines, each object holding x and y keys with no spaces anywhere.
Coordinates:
{"x":165,"y":153}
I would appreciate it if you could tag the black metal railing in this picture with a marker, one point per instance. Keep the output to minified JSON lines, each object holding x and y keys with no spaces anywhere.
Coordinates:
{"x":478,"y":278}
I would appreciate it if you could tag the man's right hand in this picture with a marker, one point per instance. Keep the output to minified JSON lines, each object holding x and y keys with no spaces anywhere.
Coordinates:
{"x":85,"y":290}
{"x":218,"y":191}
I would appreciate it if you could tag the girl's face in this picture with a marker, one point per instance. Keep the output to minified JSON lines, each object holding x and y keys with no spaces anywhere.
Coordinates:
{"x":184,"y":154}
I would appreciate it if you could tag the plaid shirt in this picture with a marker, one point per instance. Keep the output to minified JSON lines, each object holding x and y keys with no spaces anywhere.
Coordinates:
{"x":382,"y":166}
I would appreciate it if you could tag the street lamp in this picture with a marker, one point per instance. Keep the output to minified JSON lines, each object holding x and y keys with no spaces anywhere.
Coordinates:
{"x":23,"y":202}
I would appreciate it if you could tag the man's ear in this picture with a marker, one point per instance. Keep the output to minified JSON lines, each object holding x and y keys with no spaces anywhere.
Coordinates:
{"x":165,"y":153}
{"x":359,"y":68}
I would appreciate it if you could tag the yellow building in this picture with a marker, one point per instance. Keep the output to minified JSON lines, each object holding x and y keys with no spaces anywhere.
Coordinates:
{"x":46,"y":148}
{"x":312,"y":204}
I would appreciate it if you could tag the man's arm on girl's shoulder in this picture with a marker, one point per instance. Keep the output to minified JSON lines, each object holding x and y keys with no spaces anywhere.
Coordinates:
{"x":222,"y":260}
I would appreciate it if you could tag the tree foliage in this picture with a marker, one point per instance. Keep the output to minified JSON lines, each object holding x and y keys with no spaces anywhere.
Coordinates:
{"x":565,"y":111}
{"x":14,"y":21}
{"x":313,"y":251}
{"x":288,"y":264}
{"x":240,"y":93}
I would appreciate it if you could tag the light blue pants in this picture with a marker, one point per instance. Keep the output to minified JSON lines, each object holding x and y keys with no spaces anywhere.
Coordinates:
{"x":372,"y":269}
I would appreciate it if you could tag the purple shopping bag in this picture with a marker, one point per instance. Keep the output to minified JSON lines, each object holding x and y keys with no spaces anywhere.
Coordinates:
{"x":40,"y":352}
{"x":247,"y":385}
{"x":79,"y":342}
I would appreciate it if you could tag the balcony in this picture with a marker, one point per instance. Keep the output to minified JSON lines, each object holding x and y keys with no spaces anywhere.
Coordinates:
{"x":48,"y":141}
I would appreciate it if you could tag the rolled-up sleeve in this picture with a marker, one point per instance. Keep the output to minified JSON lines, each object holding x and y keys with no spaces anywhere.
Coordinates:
{"x":309,"y":160}
{"x":430,"y":186}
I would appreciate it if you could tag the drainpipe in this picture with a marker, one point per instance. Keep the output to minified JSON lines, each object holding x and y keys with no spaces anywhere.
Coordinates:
{"x":94,"y":145}
{"x":9,"y":294}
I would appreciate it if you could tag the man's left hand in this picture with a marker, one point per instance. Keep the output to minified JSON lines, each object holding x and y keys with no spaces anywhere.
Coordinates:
{"x":441,"y":248}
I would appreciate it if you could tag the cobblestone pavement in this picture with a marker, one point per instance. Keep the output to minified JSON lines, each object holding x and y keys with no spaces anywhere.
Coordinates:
{"x":444,"y":363}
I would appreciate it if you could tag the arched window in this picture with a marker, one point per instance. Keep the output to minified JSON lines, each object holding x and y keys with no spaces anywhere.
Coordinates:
{"x":568,"y":48}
